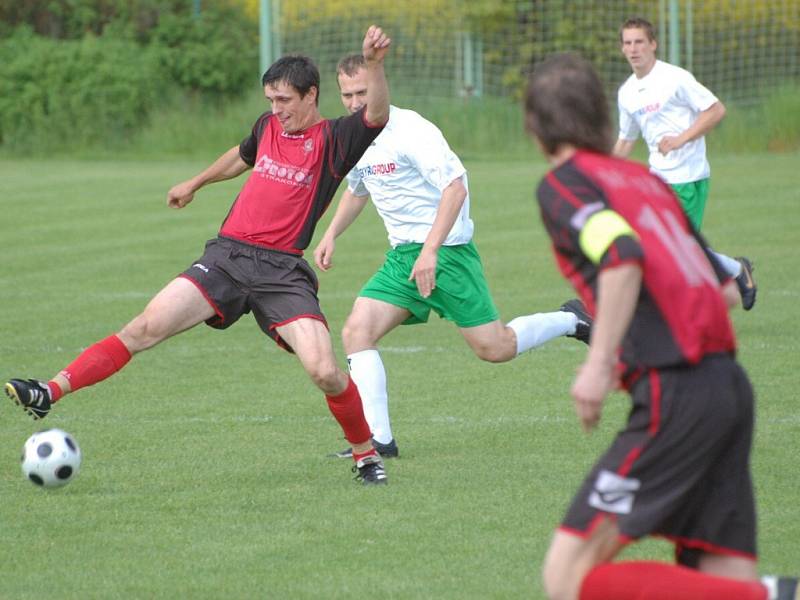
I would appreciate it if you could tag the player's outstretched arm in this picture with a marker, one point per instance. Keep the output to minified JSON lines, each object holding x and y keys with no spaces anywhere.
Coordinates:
{"x":227,"y":166}
{"x":350,"y":206}
{"x":617,"y":294}
{"x":375,"y":46}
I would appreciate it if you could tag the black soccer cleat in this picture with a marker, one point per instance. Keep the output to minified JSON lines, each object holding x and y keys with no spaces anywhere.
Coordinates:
{"x":32,"y":395}
{"x":385,"y":450}
{"x":370,"y":470}
{"x":583,"y":329}
{"x":781,"y":588}
{"x":747,"y":285}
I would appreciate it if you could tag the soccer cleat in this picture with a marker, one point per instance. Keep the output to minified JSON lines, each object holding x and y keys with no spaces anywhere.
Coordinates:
{"x":32,"y":395}
{"x":583,"y":329}
{"x":370,"y":470}
{"x":385,"y":450}
{"x":781,"y":588}
{"x":747,"y":285}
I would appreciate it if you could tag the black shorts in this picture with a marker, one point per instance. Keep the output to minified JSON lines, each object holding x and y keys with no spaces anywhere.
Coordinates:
{"x":237,"y":278}
{"x":681,"y":467}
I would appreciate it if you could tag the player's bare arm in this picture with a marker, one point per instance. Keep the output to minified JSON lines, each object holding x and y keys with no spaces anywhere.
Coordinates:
{"x":617,"y":294}
{"x":705,"y":122}
{"x":350,"y":206}
{"x":424,"y":270}
{"x":227,"y":166}
{"x":376,"y":45}
{"x":623,"y":148}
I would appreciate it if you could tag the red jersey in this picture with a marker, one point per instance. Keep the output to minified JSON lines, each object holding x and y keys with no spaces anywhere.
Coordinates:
{"x":294,"y":179}
{"x":681,"y":315}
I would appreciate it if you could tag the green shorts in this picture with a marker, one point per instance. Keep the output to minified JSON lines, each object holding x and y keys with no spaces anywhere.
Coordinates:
{"x":693,"y":198}
{"x":461,"y":294}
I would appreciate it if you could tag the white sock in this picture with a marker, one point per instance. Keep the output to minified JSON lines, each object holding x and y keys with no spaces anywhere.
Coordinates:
{"x":369,"y":375}
{"x":535,"y":330}
{"x":732,"y":266}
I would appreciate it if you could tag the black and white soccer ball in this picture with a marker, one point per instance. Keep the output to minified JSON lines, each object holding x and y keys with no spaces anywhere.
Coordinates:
{"x":51,"y":458}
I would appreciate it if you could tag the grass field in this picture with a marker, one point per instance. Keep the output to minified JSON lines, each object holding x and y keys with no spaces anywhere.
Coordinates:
{"x":205,"y":472}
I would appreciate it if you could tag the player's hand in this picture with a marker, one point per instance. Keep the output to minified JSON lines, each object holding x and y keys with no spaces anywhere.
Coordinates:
{"x":668,"y":143}
{"x":376,"y":44}
{"x":424,"y":272}
{"x":180,"y":195}
{"x":323,"y":253}
{"x":590,"y":388}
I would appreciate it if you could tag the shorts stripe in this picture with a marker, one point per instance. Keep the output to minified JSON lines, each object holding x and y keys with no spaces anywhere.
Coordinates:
{"x":681,"y":542}
{"x":277,"y":337}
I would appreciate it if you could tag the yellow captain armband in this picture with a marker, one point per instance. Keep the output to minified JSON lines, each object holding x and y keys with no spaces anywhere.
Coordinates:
{"x":600,"y":231}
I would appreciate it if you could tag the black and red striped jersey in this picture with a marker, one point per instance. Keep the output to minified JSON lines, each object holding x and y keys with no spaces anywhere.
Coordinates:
{"x":294,"y":179}
{"x":681,"y":314}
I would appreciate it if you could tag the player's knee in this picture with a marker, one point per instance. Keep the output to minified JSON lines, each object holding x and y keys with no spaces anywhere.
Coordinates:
{"x":140,"y":334}
{"x":356,"y":335}
{"x":326,"y":376}
{"x":493,"y":353}
{"x":488,"y":354}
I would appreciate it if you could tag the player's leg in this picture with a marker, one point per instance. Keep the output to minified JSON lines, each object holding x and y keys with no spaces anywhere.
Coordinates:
{"x":694,"y":197}
{"x":366,"y":325}
{"x":578,"y":568}
{"x":177,"y":307}
{"x":387,"y":299}
{"x":462,"y":295}
{"x":495,"y":342}
{"x":741,"y":269}
{"x":311,"y":342}
{"x":570,"y":557}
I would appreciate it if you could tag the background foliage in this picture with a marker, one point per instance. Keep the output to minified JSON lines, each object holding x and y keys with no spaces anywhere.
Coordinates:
{"x":94,"y":72}
{"x":139,"y":77}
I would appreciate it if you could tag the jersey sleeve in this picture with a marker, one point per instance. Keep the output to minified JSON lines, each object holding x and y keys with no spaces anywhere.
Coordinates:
{"x":694,"y":94}
{"x":355,"y":183}
{"x":248,"y":149}
{"x":351,"y":135}
{"x":428,"y":151}
{"x":582,"y":224}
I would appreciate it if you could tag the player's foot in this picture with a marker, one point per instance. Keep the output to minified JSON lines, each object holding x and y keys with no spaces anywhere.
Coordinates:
{"x":583,"y":329}
{"x":781,"y":588}
{"x":385,"y":450}
{"x":370,"y":470}
{"x":32,"y":395}
{"x":747,"y":285}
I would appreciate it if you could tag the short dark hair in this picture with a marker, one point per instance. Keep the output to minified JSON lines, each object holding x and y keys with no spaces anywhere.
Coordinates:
{"x":638,"y":23}
{"x":298,"y":71}
{"x":565,"y":104}
{"x":350,"y":64}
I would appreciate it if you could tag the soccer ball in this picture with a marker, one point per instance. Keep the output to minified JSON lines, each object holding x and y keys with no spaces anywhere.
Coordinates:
{"x":51,"y":458}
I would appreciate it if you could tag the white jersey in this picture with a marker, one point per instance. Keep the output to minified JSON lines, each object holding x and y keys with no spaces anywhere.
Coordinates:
{"x":666,"y":101}
{"x":405,"y":171}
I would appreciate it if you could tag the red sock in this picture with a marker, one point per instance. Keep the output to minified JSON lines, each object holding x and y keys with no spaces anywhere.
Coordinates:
{"x":357,"y":457}
{"x":55,"y":391}
{"x":645,"y":580}
{"x":97,"y":362}
{"x":348,"y":411}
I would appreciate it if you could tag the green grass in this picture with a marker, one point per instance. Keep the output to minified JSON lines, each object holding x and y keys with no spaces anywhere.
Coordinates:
{"x":205,"y":472}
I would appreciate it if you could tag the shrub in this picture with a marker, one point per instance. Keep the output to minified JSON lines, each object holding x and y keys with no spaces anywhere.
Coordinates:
{"x":69,"y":93}
{"x":214,"y":54}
